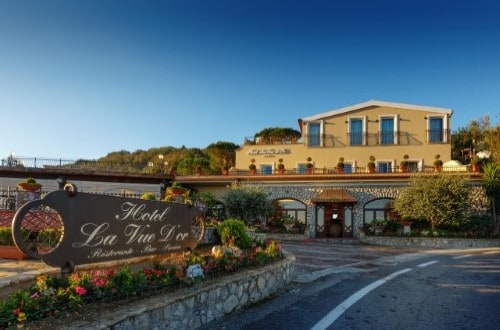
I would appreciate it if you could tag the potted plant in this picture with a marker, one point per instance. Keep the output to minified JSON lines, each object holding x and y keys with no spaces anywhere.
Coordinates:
{"x":176,"y":189}
{"x":30,"y":184}
{"x":7,"y":248}
{"x":225,"y":170}
{"x":438,"y":163}
{"x":404,"y":164}
{"x":371,"y":165}
{"x":309,"y":165}
{"x":340,"y":165}
{"x":252,"y":167}
{"x":474,"y":163}
{"x":281,"y":166}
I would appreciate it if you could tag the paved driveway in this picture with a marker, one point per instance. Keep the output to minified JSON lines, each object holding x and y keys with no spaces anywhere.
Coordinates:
{"x":319,"y":255}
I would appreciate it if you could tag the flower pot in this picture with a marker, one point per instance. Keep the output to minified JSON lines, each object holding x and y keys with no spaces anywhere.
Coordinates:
{"x":404,"y":169}
{"x":438,"y":168}
{"x":309,"y":170}
{"x":475,"y":167}
{"x":11,"y":252}
{"x":340,"y":170}
{"x":175,"y":191}
{"x":371,"y":169}
{"x":281,"y":171}
{"x":30,"y":186}
{"x":252,"y":172}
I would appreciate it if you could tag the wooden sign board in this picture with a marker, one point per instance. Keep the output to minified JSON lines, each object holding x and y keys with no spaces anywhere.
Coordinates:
{"x":66,"y":228}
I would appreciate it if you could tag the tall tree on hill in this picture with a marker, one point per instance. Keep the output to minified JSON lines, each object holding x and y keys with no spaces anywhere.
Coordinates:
{"x":222,"y":154}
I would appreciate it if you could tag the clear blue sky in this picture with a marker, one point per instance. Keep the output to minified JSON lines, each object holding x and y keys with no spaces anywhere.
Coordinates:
{"x":81,"y":78}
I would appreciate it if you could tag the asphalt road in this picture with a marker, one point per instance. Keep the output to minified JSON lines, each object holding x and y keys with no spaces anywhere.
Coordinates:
{"x":446,"y":289}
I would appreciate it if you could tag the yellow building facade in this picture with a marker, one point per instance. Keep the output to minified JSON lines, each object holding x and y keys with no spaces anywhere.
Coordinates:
{"x":386,"y":131}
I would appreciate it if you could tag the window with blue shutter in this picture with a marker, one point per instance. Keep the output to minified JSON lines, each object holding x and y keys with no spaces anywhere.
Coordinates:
{"x":387,"y":134}
{"x":313,"y":139}
{"x":356,"y":132}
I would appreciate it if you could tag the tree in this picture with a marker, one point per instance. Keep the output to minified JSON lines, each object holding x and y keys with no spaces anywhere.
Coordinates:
{"x":491,"y":179}
{"x":278,"y":134}
{"x":222,"y":154}
{"x":439,"y":199}
{"x":247,"y":202}
{"x":479,"y":135}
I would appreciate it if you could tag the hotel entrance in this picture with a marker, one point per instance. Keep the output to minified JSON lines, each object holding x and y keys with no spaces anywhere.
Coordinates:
{"x":333,"y":210}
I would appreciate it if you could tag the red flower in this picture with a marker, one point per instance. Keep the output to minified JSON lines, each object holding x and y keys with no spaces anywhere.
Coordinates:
{"x":16,"y":312}
{"x":80,"y":290}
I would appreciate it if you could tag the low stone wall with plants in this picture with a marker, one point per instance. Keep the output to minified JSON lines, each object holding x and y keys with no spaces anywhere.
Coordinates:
{"x":190,"y":308}
{"x":432,"y":242}
{"x":279,"y":237}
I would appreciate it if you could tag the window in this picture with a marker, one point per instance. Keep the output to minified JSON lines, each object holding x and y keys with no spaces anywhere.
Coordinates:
{"x":302,"y":168}
{"x":387,"y":131}
{"x":314,"y":134}
{"x":290,"y":207}
{"x":377,"y":209}
{"x":266,"y":169}
{"x":356,"y":132}
{"x":437,"y":130}
{"x":348,"y":168}
{"x":384,"y":167}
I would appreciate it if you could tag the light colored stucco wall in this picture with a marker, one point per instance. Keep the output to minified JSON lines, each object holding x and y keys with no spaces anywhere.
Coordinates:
{"x":413,"y":124}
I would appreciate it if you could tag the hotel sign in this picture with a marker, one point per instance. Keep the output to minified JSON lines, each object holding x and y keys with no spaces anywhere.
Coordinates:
{"x":97,"y":228}
{"x":269,"y":152}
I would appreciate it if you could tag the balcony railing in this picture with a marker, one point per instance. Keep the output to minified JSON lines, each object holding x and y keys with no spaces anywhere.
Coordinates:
{"x":438,"y":136}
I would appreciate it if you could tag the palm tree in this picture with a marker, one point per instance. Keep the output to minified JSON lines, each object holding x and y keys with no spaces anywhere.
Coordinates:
{"x":491,"y":179}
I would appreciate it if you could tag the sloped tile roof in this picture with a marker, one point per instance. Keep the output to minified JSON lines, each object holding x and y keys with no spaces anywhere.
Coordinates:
{"x":334,"y":196}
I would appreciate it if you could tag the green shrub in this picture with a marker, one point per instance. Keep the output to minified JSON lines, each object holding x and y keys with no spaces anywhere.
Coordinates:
{"x":234,"y":231}
{"x":148,"y":196}
{"x":50,"y":237}
{"x":6,"y":236}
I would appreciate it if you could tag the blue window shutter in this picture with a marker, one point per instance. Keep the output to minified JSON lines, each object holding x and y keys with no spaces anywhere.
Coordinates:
{"x":356,"y":132}
{"x":314,"y":134}
{"x":387,"y":131}
{"x":436,"y":130}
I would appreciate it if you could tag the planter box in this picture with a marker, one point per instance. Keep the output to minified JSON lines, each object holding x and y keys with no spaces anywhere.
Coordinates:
{"x":29,"y":186}
{"x":11,"y":252}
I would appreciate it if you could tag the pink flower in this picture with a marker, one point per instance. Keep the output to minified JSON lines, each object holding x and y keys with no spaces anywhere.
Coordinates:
{"x":35,"y":295}
{"x":80,"y":290}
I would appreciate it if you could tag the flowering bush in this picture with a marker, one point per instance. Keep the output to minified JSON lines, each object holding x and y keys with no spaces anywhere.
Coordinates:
{"x":53,"y":294}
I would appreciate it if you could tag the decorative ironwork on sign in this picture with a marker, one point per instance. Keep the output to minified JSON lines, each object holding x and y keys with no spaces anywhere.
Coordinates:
{"x":66,"y":228}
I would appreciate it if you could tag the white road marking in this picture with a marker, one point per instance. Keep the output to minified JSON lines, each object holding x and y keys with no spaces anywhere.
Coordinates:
{"x":464,"y":256}
{"x":427,"y":263}
{"x":340,"y":309}
{"x":490,"y":252}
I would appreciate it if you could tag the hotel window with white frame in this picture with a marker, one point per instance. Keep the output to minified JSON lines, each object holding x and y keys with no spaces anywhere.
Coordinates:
{"x":436,"y":129}
{"x":356,"y":130}
{"x":313,"y":134}
{"x":388,"y":129}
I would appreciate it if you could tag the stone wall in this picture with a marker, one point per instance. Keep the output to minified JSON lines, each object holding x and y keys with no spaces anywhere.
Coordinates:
{"x":364,"y":193}
{"x":190,"y":308}
{"x":431,"y":242}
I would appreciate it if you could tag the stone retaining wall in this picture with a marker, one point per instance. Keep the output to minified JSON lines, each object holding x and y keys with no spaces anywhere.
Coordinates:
{"x":431,"y":242}
{"x":190,"y":308}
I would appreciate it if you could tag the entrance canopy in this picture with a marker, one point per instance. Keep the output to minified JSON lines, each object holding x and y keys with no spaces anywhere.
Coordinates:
{"x":334,"y":196}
